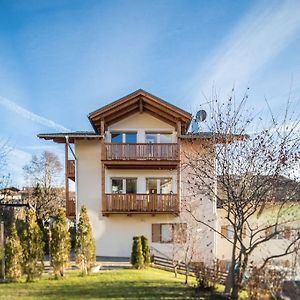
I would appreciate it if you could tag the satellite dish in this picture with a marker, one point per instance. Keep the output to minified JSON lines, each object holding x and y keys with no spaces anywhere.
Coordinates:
{"x":201,"y":115}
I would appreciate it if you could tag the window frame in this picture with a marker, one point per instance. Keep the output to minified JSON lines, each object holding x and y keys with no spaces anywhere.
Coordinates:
{"x":173,"y":228}
{"x":158,"y":136}
{"x":123,"y":135}
{"x":124,"y":184}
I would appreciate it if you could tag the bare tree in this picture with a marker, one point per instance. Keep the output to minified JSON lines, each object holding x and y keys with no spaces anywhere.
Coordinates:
{"x":43,"y":173}
{"x":240,"y":164}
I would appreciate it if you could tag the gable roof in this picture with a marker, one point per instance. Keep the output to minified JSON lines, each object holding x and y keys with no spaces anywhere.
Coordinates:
{"x":139,"y":101}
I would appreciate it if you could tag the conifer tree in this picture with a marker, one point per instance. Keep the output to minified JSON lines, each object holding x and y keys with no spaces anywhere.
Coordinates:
{"x":137,"y":258}
{"x":13,"y":256}
{"x":85,"y":243}
{"x":33,"y":248}
{"x":60,"y":244}
{"x":146,"y":250}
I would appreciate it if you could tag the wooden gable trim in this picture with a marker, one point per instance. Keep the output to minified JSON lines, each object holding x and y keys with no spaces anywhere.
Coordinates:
{"x":139,"y":101}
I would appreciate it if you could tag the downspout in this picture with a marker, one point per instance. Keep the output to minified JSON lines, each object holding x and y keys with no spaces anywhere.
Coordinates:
{"x":76,"y":180}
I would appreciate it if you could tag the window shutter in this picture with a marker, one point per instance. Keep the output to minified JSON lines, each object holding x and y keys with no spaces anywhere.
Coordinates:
{"x":224,"y":231}
{"x":155,"y":233}
{"x":287,"y":233}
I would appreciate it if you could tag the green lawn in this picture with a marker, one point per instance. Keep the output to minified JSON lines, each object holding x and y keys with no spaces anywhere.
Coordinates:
{"x":113,"y":284}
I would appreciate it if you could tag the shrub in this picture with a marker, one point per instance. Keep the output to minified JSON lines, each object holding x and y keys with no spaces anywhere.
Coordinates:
{"x":137,"y":258}
{"x":146,"y":250}
{"x":60,"y":244}
{"x":85,"y":243}
{"x":13,"y":256}
{"x":33,"y":246}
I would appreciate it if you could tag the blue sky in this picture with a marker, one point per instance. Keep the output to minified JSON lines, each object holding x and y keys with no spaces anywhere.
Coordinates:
{"x":60,"y":60}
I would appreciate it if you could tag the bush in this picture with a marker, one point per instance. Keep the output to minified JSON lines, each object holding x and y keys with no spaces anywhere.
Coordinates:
{"x":60,"y":244}
{"x":205,"y":277}
{"x":146,"y":250}
{"x":13,"y":256}
{"x":85,"y":243}
{"x":33,"y":248}
{"x":137,"y":258}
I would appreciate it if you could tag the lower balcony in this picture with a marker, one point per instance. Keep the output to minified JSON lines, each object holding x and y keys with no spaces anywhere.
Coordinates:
{"x":140,"y":204}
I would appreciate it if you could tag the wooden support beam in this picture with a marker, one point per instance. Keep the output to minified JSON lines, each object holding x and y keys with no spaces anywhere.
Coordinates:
{"x":141,"y":105}
{"x":102,"y":127}
{"x":66,"y":178}
{"x":178,"y":128}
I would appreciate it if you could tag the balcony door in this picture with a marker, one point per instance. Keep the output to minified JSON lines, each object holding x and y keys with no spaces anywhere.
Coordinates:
{"x":155,"y":150}
{"x":124,"y":145}
{"x":124,"y":185}
{"x":159,"y":185}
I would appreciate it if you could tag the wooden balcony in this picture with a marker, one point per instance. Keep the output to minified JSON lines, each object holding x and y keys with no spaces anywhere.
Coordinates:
{"x":142,"y":151}
{"x":70,"y":207}
{"x":70,"y":169}
{"x":140,"y":204}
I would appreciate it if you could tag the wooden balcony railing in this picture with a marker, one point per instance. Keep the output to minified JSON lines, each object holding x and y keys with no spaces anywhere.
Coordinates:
{"x":70,"y":207}
{"x":141,"y":151}
{"x":71,"y":169}
{"x":140,"y":203}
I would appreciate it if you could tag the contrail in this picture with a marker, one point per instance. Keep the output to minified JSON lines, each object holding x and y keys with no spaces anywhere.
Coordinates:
{"x":30,"y":115}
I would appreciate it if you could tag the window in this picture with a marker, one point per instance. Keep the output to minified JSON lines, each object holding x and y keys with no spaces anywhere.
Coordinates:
{"x":166,"y":138}
{"x":117,"y":186}
{"x":230,"y":232}
{"x":130,"y":137}
{"x":166,"y":231}
{"x":151,"y":186}
{"x":227,"y":231}
{"x":124,"y":137}
{"x":163,"y":185}
{"x":169,"y":233}
{"x":131,"y":185}
{"x":153,"y":137}
{"x":116,"y":137}
{"x":124,"y":185}
{"x":281,"y":233}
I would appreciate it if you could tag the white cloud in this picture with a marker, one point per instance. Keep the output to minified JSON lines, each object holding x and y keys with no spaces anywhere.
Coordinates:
{"x":262,"y":34}
{"x":30,"y":115}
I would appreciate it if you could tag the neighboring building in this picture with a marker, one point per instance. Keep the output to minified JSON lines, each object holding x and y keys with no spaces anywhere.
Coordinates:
{"x":129,"y":174}
{"x":286,"y":200}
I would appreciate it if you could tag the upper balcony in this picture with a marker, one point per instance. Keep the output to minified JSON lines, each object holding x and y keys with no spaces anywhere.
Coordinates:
{"x":142,"y":151}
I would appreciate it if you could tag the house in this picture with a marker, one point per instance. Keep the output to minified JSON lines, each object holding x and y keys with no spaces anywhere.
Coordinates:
{"x":283,"y":208}
{"x":129,"y":172}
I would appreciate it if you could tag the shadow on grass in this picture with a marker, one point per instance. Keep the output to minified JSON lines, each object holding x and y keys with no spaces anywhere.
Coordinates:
{"x":131,"y":290}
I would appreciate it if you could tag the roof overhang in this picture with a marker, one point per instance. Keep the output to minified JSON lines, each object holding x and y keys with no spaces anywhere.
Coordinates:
{"x":216,"y":138}
{"x":69,"y":136}
{"x":139,"y":101}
